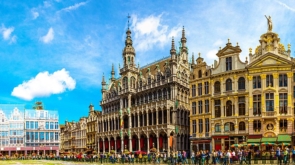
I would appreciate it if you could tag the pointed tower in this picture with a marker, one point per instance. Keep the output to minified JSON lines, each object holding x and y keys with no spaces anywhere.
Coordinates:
{"x":103,"y":85}
{"x":91,"y":108}
{"x":128,"y":51}
{"x":184,"y":52}
{"x":113,"y":73}
{"x":173,"y":63}
{"x":173,"y":51}
{"x":193,"y":59}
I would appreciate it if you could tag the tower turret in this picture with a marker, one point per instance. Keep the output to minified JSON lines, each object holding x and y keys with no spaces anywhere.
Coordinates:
{"x":103,"y":85}
{"x":173,"y":50}
{"x":128,"y":51}
{"x":113,"y":73}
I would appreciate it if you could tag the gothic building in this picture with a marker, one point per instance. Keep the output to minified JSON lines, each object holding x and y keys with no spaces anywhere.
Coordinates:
{"x":146,"y":107}
{"x":235,"y":102}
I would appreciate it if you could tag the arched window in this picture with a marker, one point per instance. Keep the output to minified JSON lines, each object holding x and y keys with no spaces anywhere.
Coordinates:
{"x":228,"y":85}
{"x":229,"y":127}
{"x":242,"y":108}
{"x":159,"y":94}
{"x":200,"y":74}
{"x":140,"y":83}
{"x":217,"y":128}
{"x":125,"y":82}
{"x":132,"y":82}
{"x":217,"y":87}
{"x":168,"y":73}
{"x":241,"y":83}
{"x":149,"y":80}
{"x":155,"y":95}
{"x":242,"y":126}
{"x":158,"y":76}
{"x":229,"y":108}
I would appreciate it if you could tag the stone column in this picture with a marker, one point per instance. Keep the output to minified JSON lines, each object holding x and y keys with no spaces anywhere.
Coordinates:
{"x":221,"y":86}
{"x":276,"y":94}
{"x":212,"y":87}
{"x":157,"y":117}
{"x":168,"y":116}
{"x":222,"y":144}
{"x":212,"y":108}
{"x":221,"y":107}
{"x":158,"y":145}
{"x":115,"y":145}
{"x":250,"y":87}
{"x":130,"y":143}
{"x":236,"y":106}
{"x":103,"y":146}
{"x":250,"y":125}
{"x":213,"y":144}
{"x":122,"y":144}
{"x":139,"y":148}
{"x":235,"y":84}
{"x":147,"y":118}
{"x":148,"y":145}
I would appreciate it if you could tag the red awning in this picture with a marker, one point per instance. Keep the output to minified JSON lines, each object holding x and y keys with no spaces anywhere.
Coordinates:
{"x":254,"y":136}
{"x":220,"y":137}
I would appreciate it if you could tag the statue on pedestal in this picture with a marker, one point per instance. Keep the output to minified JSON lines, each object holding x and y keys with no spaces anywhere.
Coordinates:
{"x":269,"y":22}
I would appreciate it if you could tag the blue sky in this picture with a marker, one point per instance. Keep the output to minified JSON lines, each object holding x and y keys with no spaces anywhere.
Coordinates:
{"x":56,"y":51}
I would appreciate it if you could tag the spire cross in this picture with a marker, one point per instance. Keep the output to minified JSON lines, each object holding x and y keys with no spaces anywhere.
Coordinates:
{"x":128,"y":19}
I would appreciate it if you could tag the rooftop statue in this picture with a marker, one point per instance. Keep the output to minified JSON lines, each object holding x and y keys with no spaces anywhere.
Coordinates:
{"x":269,"y":22}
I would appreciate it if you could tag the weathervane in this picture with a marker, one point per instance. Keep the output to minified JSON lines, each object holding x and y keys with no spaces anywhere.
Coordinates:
{"x":128,"y":19}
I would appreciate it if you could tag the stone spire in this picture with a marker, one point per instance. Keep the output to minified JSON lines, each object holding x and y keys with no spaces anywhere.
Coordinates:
{"x":173,"y":50}
{"x":103,"y":84}
{"x":193,"y":59}
{"x":113,"y":73}
{"x":183,"y":39}
{"x":128,"y":51}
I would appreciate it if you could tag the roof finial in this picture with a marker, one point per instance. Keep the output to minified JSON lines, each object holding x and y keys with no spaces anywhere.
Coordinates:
{"x":228,"y":40}
{"x":199,"y":54}
{"x":183,"y":32}
{"x":250,"y":50}
{"x":172,"y":46}
{"x":128,"y":19}
{"x":193,"y":58}
{"x":237,"y":44}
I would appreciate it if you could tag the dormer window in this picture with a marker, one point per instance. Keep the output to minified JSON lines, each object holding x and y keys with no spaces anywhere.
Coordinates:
{"x":228,"y":63}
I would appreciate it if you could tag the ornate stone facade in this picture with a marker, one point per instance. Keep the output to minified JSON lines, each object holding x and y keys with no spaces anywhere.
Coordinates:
{"x":247,"y":100}
{"x":73,"y":136}
{"x":146,"y":107}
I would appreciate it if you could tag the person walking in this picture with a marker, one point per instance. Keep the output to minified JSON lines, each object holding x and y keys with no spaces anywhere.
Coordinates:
{"x":278,"y":155}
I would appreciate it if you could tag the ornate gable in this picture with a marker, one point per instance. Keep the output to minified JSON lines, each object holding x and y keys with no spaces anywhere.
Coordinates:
{"x":229,"y":49}
{"x":270,"y":59}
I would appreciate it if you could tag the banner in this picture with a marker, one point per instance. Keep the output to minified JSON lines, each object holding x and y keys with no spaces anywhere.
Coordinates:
{"x":141,"y":143}
{"x":161,"y":142}
{"x":171,"y":141}
{"x":118,"y":144}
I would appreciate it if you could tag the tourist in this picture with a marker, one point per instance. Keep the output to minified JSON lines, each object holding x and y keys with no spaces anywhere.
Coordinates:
{"x":278,"y":155}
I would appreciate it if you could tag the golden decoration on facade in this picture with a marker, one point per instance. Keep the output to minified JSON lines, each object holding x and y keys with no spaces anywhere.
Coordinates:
{"x":289,"y":46}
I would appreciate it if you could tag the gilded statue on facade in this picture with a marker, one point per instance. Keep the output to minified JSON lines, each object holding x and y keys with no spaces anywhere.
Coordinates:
{"x":269,"y":22}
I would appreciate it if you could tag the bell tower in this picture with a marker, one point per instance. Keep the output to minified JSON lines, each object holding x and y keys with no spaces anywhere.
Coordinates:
{"x":128,"y":51}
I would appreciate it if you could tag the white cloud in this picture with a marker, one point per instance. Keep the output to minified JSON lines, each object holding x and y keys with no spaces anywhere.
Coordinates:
{"x":211,"y":54}
{"x":74,"y":7}
{"x":45,"y":84}
{"x":7,"y":34}
{"x":150,"y":32}
{"x":35,"y":14}
{"x":49,"y":36}
{"x":285,"y":5}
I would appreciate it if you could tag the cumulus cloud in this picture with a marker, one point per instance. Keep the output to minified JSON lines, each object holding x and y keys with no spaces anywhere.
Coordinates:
{"x":49,"y":36}
{"x":74,"y":7}
{"x":7,"y":34}
{"x":45,"y":84}
{"x":150,"y":31}
{"x":35,"y":14}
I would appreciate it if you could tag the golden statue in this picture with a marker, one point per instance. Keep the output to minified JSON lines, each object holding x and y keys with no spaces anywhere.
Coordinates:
{"x":269,"y":22}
